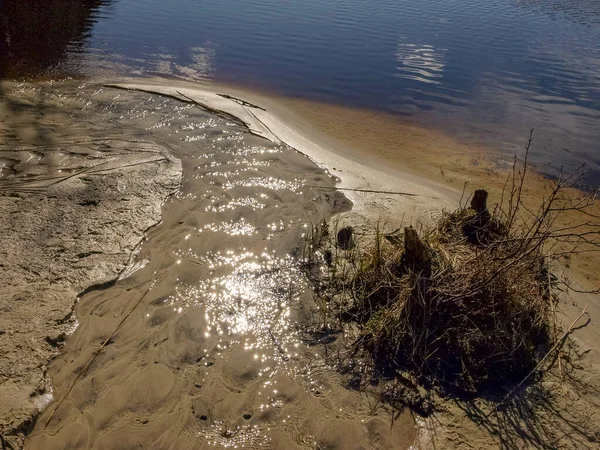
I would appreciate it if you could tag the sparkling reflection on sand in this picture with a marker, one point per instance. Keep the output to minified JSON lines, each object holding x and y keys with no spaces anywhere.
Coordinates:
{"x":219,"y":349}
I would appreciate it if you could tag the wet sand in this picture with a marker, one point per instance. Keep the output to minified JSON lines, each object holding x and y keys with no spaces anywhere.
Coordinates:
{"x":562,"y":412}
{"x":76,"y":199}
{"x":224,"y":348}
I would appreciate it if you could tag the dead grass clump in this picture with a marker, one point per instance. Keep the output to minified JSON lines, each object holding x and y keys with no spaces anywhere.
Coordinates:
{"x":469,"y":305}
{"x":457,"y":314}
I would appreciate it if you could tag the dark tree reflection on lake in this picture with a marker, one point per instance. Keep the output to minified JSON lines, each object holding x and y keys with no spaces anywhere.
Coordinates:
{"x":37,"y":36}
{"x":486,"y":71}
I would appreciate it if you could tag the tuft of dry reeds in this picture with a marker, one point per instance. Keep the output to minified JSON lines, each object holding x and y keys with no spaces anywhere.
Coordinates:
{"x":469,"y":304}
{"x":467,"y":315}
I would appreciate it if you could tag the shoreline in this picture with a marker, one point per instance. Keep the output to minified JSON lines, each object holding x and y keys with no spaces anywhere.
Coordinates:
{"x":408,"y":151}
{"x":383,"y":155}
{"x":304,"y":126}
{"x":374,"y":151}
{"x":378,"y":191}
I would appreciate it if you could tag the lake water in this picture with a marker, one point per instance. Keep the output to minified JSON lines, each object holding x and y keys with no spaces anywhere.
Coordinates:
{"x":486,"y":71}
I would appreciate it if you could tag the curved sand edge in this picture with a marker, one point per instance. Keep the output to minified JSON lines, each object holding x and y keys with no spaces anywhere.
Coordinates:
{"x":374,"y":151}
{"x":378,"y":192}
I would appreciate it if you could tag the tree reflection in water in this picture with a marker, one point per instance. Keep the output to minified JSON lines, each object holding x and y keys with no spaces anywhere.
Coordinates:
{"x":37,"y":35}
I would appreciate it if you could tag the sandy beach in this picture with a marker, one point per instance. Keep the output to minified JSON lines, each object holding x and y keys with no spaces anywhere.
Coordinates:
{"x":217,"y":351}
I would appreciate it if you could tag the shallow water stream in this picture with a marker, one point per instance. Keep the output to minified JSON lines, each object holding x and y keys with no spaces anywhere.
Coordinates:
{"x":216,"y":349}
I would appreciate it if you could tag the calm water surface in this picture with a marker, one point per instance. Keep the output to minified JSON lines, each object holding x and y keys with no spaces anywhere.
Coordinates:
{"x":486,"y":71}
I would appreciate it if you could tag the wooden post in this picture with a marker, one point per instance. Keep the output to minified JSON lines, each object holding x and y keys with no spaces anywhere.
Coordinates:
{"x":477,"y":229}
{"x":344,"y":238}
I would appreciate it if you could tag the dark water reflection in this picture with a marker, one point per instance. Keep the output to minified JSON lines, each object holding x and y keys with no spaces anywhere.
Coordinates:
{"x":484,"y":70}
{"x":37,"y":37}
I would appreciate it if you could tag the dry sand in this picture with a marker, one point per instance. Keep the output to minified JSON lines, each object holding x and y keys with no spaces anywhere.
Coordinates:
{"x":193,"y":367}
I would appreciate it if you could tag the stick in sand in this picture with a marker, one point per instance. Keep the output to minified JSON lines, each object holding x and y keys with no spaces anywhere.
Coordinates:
{"x":97,"y":352}
{"x":373,"y":191}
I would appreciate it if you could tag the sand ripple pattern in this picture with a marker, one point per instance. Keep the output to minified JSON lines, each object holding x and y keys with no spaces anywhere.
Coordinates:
{"x":221,"y":351}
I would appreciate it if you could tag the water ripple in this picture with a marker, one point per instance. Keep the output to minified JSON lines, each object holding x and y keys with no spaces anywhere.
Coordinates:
{"x":438,"y":62}
{"x":422,"y":63}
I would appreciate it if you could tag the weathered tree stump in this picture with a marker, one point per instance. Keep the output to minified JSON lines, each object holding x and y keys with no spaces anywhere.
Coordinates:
{"x":478,"y":230}
{"x":479,"y":201}
{"x":344,"y":238}
{"x":417,"y":254}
